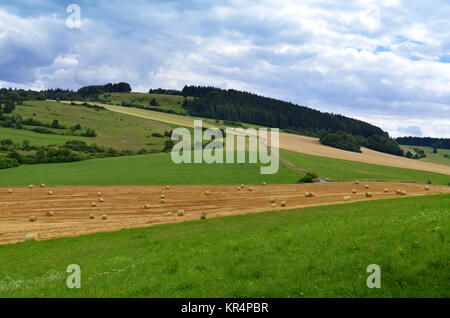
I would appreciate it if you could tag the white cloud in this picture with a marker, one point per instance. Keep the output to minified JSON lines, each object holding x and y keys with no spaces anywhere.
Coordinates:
{"x":321,"y":54}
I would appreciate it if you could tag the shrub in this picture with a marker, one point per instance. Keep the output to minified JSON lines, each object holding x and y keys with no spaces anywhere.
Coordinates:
{"x":310,"y":177}
{"x":341,"y":140}
{"x":6,"y":163}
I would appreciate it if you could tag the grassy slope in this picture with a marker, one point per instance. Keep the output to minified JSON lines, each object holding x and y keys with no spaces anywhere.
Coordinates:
{"x":119,"y":131}
{"x":312,"y":252}
{"x":19,"y":136}
{"x":141,"y":170}
{"x":167,"y":102}
{"x":431,"y":157}
{"x":338,"y":169}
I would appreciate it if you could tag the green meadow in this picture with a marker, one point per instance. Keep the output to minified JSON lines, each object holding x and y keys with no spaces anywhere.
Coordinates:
{"x":165,"y":102}
{"x":312,"y":252}
{"x":20,"y":135}
{"x":438,"y":157}
{"x":342,"y":170}
{"x":153,"y":169}
{"x":119,"y":131}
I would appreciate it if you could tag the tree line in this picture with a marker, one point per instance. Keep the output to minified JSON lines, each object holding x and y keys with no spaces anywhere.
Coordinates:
{"x":440,"y":143}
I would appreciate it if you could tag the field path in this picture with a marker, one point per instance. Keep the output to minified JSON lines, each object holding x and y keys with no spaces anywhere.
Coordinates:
{"x":301,"y":144}
{"x":124,"y":205}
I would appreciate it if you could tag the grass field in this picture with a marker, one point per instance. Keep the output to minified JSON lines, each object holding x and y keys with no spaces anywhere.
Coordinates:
{"x":339,"y":169}
{"x":151,"y":169}
{"x":311,"y":252}
{"x":431,"y":157}
{"x":120,"y":131}
{"x":19,"y":135}
{"x":166,"y":102}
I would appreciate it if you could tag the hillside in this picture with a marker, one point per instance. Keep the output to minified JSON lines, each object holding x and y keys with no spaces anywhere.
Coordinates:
{"x":297,"y":143}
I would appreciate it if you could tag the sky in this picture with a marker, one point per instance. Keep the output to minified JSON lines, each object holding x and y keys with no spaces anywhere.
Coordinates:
{"x":386,"y":62}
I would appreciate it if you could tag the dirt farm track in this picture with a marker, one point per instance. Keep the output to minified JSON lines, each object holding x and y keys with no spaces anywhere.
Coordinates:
{"x":124,"y":205}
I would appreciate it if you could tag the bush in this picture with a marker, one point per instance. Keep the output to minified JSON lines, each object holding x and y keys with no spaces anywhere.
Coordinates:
{"x":6,"y":163}
{"x":310,"y":177}
{"x":341,"y":140}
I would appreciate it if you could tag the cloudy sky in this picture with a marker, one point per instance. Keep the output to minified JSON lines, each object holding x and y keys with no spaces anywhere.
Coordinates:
{"x":386,"y":62}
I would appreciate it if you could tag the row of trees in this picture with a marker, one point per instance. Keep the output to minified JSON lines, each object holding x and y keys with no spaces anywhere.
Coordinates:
{"x":440,"y":143}
{"x":11,"y":96}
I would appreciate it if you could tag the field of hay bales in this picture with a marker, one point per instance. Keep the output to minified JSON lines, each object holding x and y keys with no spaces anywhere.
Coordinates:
{"x":130,"y":207}
{"x":300,"y":253}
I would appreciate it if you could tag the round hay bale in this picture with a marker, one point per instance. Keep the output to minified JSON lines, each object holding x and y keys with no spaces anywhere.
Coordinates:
{"x":180,"y":212}
{"x":104,"y":216}
{"x":283,"y":204}
{"x":386,"y":190}
{"x":207,"y":192}
{"x":50,"y":213}
{"x":169,"y":214}
{"x":167,"y":187}
{"x":250,"y":189}
{"x":242,"y":186}
{"x":427,"y":188}
{"x":42,"y":185}
{"x":272,"y":200}
{"x":147,"y":206}
{"x":162,"y":201}
{"x":10,"y":191}
{"x":263,"y":183}
{"x":239,"y":188}
{"x":366,"y":186}
{"x":101,"y":200}
{"x":398,"y":191}
{"x":403,"y":192}
{"x":347,"y":198}
{"x":31,"y":237}
{"x":273,"y":205}
{"x":203,"y":215}
{"x":92,"y":216}
{"x":50,"y":192}
{"x":354,"y":191}
{"x":357,"y":182}
{"x":369,"y":194}
{"x":99,"y":194}
{"x":163,"y":196}
{"x":93,"y":204}
{"x":32,"y":218}
{"x":31,"y":186}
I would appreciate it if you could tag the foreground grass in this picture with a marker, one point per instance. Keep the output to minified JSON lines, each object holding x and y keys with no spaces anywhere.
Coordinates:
{"x":154,"y":169}
{"x":342,"y":170}
{"x":312,"y":252}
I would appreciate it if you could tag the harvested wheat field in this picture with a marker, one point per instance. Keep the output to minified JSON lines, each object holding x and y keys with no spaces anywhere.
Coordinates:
{"x":79,"y":210}
{"x":312,"y":146}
